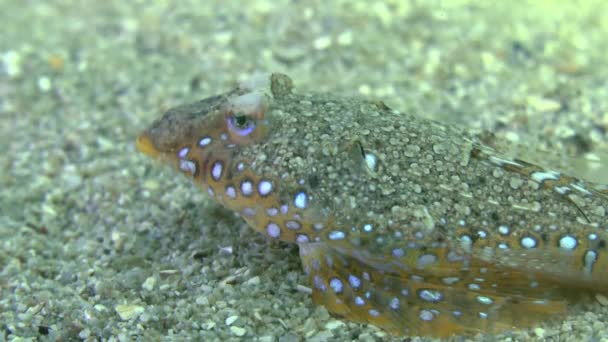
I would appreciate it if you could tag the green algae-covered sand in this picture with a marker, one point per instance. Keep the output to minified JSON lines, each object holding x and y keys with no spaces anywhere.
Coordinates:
{"x":99,"y":243}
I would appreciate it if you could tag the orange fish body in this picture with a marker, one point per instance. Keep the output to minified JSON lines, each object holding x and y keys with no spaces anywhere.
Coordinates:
{"x":415,"y":226}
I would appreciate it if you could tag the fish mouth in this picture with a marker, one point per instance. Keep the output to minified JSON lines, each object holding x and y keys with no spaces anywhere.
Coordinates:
{"x":145,"y":145}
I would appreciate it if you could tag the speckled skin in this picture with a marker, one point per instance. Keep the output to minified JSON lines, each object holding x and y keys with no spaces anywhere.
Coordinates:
{"x":416,"y":226}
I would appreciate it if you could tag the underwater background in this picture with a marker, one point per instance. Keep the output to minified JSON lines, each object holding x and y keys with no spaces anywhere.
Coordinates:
{"x":97,"y":243}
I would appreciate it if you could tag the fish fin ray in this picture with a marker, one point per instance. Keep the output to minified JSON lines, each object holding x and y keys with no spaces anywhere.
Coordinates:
{"x":402,"y":302}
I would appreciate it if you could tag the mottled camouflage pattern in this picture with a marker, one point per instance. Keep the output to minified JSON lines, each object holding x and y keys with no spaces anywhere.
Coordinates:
{"x":413,"y":225}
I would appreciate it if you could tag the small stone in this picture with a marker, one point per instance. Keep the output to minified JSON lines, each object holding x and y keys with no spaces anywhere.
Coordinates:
{"x":202,"y":300}
{"x":310,"y":325}
{"x":127,"y":312}
{"x":490,"y":62}
{"x":304,"y":289}
{"x":324,"y":335}
{"x":604,"y":119}
{"x":602,"y":299}
{"x":49,"y":210}
{"x":167,"y":273}
{"x":322,"y":42}
{"x":543,"y":105}
{"x":365,"y":89}
{"x":227,"y":250}
{"x":335,"y":324}
{"x":231,"y":319}
{"x":149,"y":283}
{"x":366,"y":337}
{"x":44,"y":84}
{"x":84,"y":334}
{"x":598,"y":326}
{"x":512,"y":137}
{"x":12,"y":63}
{"x":515,"y":182}
{"x":208,"y":325}
{"x":438,"y":148}
{"x":71,"y":178}
{"x":151,"y":185}
{"x":539,"y":332}
{"x":238,"y":331}
{"x":382,"y":11}
{"x":118,"y":239}
{"x":262,"y":7}
{"x":345,"y":38}
{"x":223,"y":38}
{"x":100,"y":308}
{"x":290,"y":337}
{"x":105,"y":144}
{"x":253,"y":281}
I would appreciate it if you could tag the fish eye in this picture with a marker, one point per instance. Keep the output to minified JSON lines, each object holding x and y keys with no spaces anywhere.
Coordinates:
{"x":241,"y":124}
{"x":241,"y":121}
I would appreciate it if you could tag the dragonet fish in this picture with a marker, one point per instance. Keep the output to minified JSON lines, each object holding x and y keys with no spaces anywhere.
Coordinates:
{"x":412,"y":225}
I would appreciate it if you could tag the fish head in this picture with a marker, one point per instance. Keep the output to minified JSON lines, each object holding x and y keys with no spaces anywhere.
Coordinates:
{"x":218,"y":123}
{"x":221,"y":141}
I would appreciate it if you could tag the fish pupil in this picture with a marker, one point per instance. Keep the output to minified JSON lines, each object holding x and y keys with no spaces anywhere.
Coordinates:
{"x":241,"y":121}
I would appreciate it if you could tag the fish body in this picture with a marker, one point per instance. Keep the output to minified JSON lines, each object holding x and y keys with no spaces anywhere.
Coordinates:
{"x":416,"y":226}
